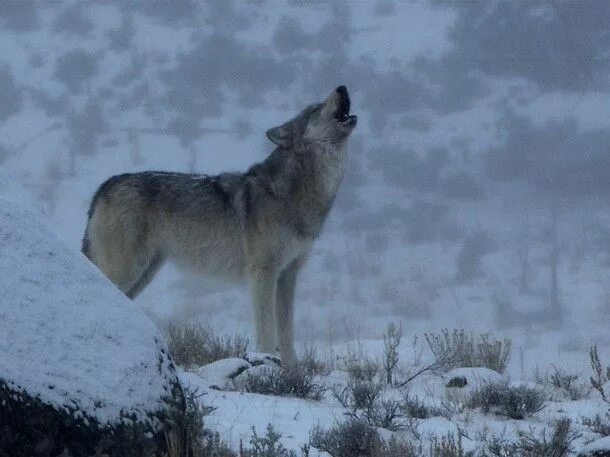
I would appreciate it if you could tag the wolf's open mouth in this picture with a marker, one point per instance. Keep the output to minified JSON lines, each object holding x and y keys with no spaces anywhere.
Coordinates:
{"x":342,"y":115}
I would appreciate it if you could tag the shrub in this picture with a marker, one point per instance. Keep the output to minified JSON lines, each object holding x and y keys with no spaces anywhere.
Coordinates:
{"x":385,"y":414}
{"x":599,"y":424}
{"x":499,"y":447}
{"x":396,"y":448}
{"x":446,"y":446}
{"x":312,"y":363}
{"x":362,"y":369}
{"x":187,"y":435}
{"x":514,"y":402}
{"x":566,"y":383}
{"x":355,"y":437}
{"x":213,"y":446}
{"x":364,"y":394}
{"x":415,"y":408}
{"x":195,"y":344}
{"x":358,"y":394}
{"x":267,"y":445}
{"x":600,"y":375}
{"x":558,"y":445}
{"x":460,"y":349}
{"x":529,"y":444}
{"x":391,"y":341}
{"x":294,"y":380}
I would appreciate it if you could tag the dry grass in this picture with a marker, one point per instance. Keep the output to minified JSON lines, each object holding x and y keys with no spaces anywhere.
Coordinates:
{"x":195,"y":344}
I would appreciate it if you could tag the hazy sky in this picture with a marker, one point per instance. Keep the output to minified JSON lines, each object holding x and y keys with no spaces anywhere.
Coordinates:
{"x":453,"y":73}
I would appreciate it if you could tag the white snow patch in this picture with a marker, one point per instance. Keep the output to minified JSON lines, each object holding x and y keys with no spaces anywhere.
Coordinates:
{"x":602,"y":444}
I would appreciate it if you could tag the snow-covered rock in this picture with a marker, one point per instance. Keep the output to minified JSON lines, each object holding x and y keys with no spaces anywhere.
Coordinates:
{"x":220,"y":374}
{"x":598,"y":448}
{"x":262,"y":358}
{"x":73,"y":348}
{"x":257,"y":371}
{"x":460,"y":382}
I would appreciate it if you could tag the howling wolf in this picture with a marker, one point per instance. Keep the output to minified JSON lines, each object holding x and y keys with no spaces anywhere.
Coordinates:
{"x":259,"y":225}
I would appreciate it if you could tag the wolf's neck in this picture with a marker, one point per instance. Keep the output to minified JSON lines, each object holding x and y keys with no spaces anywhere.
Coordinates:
{"x":330,"y":163}
{"x":317,"y":184}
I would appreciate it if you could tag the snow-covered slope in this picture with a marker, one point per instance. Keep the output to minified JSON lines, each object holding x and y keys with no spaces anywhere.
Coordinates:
{"x":67,"y":335}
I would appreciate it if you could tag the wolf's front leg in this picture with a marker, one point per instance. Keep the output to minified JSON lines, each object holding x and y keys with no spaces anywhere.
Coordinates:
{"x":264,"y":286}
{"x":284,"y":311}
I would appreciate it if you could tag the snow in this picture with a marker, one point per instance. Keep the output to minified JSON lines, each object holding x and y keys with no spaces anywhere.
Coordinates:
{"x":602,"y":444}
{"x":67,"y":335}
{"x":236,"y":413}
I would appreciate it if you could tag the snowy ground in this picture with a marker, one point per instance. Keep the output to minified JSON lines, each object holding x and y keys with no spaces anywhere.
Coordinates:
{"x":236,"y":412}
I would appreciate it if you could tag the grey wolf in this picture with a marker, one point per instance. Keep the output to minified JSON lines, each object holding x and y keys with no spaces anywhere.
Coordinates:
{"x":258,"y":226}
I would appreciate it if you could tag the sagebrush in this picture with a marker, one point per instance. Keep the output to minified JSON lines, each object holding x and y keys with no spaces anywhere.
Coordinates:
{"x":267,"y":445}
{"x":530,"y":444}
{"x":457,"y":348}
{"x":195,"y":344}
{"x":294,"y":380}
{"x":446,"y":446}
{"x":515,"y":402}
{"x":356,"y":437}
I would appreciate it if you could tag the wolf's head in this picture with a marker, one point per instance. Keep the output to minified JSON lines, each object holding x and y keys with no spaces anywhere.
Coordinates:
{"x":326,"y":122}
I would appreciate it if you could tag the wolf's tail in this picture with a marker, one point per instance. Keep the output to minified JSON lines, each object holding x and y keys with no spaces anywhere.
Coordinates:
{"x":85,"y":243}
{"x":99,"y":193}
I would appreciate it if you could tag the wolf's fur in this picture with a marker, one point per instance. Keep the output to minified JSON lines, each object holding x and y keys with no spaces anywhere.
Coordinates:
{"x":258,"y":225}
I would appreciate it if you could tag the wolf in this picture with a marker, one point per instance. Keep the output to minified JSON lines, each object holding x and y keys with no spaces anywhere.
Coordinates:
{"x":257,"y":226}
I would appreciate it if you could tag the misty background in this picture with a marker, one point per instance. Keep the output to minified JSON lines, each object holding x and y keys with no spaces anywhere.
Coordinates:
{"x":479,"y":173}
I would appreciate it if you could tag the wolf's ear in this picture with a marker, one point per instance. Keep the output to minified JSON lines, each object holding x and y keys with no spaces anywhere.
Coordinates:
{"x":279,"y":135}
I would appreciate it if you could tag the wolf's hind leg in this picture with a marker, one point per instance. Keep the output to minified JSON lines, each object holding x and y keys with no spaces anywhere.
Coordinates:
{"x":264,"y":286}
{"x":284,"y":311}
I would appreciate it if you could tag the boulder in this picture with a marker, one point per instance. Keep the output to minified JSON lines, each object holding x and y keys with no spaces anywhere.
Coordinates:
{"x":82,"y":369}
{"x":262,"y":358}
{"x":220,"y":374}
{"x":472,"y":378}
